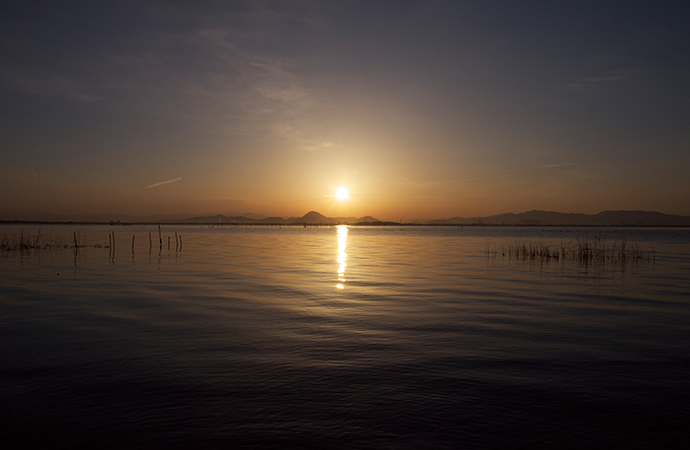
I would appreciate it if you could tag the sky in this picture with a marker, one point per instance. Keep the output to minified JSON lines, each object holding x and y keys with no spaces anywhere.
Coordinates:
{"x":422,"y":109}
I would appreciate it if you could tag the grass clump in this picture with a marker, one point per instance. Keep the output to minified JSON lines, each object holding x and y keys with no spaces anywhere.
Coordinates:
{"x":583,"y":251}
{"x":35,"y":241}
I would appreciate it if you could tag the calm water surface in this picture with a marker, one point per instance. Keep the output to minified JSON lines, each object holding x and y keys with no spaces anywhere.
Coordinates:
{"x":344,"y":338}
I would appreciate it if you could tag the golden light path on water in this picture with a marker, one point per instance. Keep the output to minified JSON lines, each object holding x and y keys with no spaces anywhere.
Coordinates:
{"x":342,"y":256}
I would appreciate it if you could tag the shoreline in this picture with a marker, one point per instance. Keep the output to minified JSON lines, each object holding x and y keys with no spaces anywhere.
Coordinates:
{"x":333,"y":224}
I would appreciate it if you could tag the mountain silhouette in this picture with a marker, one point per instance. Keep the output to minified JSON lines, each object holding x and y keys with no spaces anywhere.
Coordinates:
{"x":310,"y":218}
{"x":313,"y":217}
{"x":605,"y":218}
{"x":534,"y":217}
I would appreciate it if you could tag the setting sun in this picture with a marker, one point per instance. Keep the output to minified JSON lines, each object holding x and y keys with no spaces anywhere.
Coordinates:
{"x":342,"y":193}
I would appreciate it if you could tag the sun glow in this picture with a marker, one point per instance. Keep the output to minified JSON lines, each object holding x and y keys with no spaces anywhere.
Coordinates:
{"x":342,"y":193}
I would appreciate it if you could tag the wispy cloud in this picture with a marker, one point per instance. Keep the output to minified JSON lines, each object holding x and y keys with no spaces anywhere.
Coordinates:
{"x":34,"y":171}
{"x":558,"y":165}
{"x":220,"y":74}
{"x":493,"y":177}
{"x":459,"y":180}
{"x":595,"y":84}
{"x":161,"y":183}
{"x":46,"y":82}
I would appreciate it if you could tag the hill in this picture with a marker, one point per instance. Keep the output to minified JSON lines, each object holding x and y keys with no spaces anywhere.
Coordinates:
{"x":310,"y":218}
{"x":605,"y":218}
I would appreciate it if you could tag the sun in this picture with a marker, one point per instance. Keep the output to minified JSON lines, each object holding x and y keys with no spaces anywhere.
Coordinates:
{"x":342,"y":193}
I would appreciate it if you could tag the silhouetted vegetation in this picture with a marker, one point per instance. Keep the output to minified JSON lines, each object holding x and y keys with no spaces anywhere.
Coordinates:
{"x":23,"y":241}
{"x":583,"y":251}
{"x":36,"y":241}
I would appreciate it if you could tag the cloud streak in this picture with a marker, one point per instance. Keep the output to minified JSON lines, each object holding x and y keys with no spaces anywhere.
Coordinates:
{"x":161,"y":183}
{"x":558,"y":165}
{"x":596,"y":83}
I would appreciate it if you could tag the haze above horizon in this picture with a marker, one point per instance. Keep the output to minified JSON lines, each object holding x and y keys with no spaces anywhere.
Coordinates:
{"x":410,"y":109}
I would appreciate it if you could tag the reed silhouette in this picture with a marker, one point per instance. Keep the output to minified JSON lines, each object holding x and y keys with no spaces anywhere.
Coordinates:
{"x":583,"y":251}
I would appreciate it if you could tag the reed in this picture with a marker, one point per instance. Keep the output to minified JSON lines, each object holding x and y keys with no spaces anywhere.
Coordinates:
{"x":583,"y":251}
{"x":21,"y":240}
{"x":38,"y":241}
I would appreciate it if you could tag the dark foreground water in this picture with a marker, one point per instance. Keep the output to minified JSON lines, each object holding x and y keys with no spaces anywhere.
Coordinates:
{"x":345,"y":338}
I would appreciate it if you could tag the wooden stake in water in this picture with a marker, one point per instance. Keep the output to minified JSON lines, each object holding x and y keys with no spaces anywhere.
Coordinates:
{"x":160,"y":239}
{"x":150,"y":243}
{"x":177,"y":242}
{"x":132,"y":245}
{"x":168,"y":242}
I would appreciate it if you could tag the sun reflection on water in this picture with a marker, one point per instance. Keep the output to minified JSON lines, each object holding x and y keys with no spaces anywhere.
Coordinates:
{"x":342,"y":256}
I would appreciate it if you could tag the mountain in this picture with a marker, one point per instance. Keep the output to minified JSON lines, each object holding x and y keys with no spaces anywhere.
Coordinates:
{"x":248,"y":215}
{"x":642,"y":218}
{"x":367,"y":219}
{"x":311,"y":218}
{"x":605,"y":218}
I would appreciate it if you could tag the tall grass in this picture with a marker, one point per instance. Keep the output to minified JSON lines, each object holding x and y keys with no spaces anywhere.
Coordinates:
{"x":583,"y":251}
{"x":20,"y":241}
{"x":37,"y":241}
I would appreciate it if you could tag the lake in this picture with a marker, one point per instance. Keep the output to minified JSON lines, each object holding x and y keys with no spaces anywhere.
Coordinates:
{"x":346,"y":338}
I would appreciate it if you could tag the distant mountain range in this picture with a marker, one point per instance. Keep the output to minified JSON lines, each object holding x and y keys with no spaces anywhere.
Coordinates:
{"x":546,"y":218}
{"x":311,"y":218}
{"x":605,"y":218}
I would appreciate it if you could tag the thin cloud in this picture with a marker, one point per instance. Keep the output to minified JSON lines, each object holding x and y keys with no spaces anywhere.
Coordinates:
{"x":460,"y":180}
{"x":46,"y":82}
{"x":559,"y":165}
{"x":34,"y":170}
{"x":227,"y":82}
{"x":161,"y":183}
{"x":494,"y":177}
{"x":596,"y":84}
